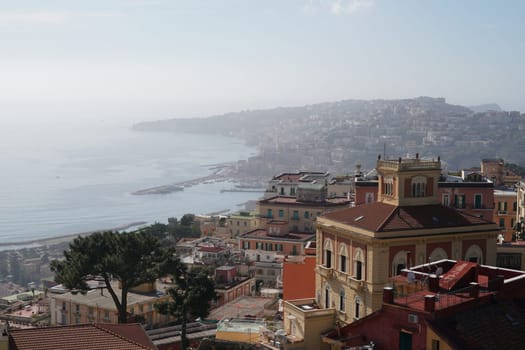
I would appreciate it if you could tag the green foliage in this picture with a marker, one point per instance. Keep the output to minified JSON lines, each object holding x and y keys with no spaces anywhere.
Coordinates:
{"x":187,"y":219}
{"x":157,"y":229}
{"x":132,"y":258}
{"x":185,"y":227}
{"x":189,"y":298}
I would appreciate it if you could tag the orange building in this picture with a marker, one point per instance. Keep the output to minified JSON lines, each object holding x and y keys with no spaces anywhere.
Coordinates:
{"x":299,"y":275}
{"x":505,"y":212}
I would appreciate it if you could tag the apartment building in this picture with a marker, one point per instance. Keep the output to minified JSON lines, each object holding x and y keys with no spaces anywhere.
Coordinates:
{"x":299,"y":212}
{"x":286,"y":184}
{"x":242,"y":222}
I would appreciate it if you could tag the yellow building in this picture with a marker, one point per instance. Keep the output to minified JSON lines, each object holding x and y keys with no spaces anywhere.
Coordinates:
{"x":242,"y":222}
{"x":359,"y":249}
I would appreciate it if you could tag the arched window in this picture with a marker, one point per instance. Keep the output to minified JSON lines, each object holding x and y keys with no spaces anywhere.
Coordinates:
{"x":328,"y":253}
{"x":388,"y":186}
{"x":357,"y":312}
{"x":359,"y":264}
{"x":399,"y":262}
{"x":474,"y":254}
{"x":343,"y":258}
{"x":438,"y":254}
{"x":419,"y":185}
{"x":342,"y":300}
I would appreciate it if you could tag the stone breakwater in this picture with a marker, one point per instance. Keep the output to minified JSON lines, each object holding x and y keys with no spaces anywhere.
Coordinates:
{"x":220,"y":172}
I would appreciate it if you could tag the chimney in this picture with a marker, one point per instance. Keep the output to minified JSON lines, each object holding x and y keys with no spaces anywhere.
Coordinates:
{"x":388,"y":295}
{"x":433,"y":283}
{"x":474,"y":290}
{"x":430,"y":302}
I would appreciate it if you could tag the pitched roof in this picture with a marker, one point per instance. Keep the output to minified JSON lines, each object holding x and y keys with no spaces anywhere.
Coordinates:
{"x":82,"y":336}
{"x":380,"y":217}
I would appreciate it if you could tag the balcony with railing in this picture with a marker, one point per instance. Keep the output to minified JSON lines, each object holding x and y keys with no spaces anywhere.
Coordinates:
{"x":326,"y":272}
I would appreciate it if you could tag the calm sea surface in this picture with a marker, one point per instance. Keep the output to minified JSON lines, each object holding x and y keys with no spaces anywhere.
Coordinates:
{"x":57,"y":180}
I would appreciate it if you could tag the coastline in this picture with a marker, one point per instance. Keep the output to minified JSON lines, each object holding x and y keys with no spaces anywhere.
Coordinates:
{"x":48,"y":241}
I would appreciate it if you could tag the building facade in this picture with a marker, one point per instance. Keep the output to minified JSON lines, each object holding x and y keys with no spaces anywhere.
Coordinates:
{"x":360,"y":248}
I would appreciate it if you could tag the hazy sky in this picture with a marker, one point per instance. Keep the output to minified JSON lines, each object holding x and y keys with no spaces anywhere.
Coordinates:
{"x":154,"y":59}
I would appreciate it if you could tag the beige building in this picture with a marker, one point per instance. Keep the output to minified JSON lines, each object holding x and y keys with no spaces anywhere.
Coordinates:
{"x":359,"y":249}
{"x":97,"y":306}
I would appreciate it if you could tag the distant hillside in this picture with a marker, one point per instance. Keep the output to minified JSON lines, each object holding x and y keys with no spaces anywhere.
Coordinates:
{"x":485,"y":108}
{"x":335,"y":136}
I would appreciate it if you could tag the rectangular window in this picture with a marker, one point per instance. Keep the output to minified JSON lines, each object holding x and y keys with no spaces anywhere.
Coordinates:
{"x":446,"y":200}
{"x":269,"y":213}
{"x":357,"y":309}
{"x":306,"y":215}
{"x":295,"y":215}
{"x":459,"y":201}
{"x":258,"y":245}
{"x":294,"y":250}
{"x":245,"y":245}
{"x":435,"y":344}
{"x":477,"y":201}
{"x":281,"y":213}
{"x":502,"y":223}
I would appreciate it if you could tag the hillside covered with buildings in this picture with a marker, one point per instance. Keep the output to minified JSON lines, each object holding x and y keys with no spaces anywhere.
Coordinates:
{"x":335,"y":136}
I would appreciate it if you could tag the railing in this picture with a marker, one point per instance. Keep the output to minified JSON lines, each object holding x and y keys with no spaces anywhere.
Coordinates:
{"x":407,"y":164}
{"x":326,"y":272}
{"x":356,"y":284}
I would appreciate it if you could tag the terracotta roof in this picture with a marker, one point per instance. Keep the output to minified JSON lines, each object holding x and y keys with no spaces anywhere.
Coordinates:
{"x":380,"y":217}
{"x":263,"y":234}
{"x":83,"y":336}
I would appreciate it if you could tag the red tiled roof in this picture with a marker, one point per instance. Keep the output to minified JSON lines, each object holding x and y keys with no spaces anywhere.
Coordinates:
{"x":263,"y":234}
{"x":293,"y":200}
{"x":380,"y":217}
{"x":84,"y":336}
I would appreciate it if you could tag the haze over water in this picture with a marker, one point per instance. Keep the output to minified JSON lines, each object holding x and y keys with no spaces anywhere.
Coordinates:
{"x":61,"y":179}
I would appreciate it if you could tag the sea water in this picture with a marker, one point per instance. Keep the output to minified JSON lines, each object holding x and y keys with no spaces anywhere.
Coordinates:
{"x":58,"y":179}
